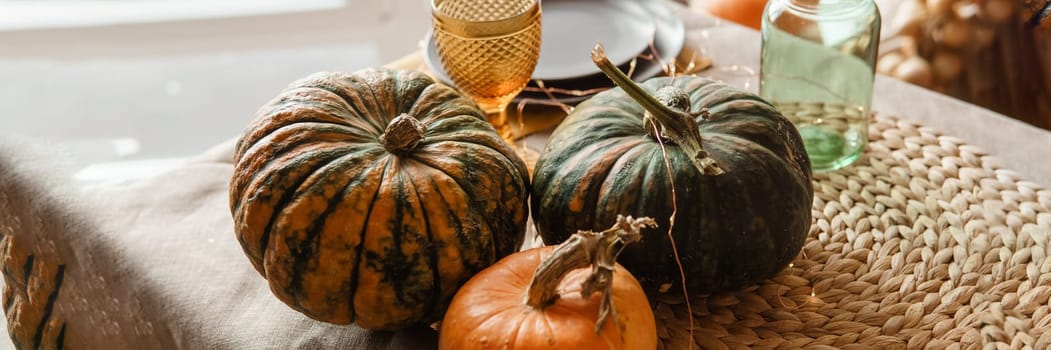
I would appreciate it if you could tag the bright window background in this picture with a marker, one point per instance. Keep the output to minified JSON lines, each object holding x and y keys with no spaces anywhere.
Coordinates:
{"x":36,"y":14}
{"x":128,"y":87}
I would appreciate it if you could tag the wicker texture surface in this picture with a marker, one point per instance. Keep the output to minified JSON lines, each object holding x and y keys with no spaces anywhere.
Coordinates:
{"x":922,"y":243}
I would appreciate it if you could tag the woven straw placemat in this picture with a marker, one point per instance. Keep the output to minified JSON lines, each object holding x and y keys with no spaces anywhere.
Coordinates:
{"x":922,"y":243}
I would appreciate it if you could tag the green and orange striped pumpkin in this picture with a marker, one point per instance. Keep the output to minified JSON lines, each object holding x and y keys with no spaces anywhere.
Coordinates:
{"x":741,"y":178}
{"x":369,"y":198}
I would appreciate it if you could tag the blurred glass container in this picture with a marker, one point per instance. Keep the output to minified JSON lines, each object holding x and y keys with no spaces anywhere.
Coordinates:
{"x":818,"y":66}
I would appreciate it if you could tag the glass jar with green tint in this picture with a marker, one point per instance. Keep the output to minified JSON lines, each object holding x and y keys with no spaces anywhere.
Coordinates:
{"x":817,"y":66}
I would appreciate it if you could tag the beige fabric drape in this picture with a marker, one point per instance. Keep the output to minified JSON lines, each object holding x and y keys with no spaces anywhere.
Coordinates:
{"x":152,"y":265}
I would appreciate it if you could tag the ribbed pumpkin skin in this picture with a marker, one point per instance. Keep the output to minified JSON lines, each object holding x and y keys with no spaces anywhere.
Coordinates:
{"x":489,"y":312}
{"x":345,"y":231}
{"x":731,"y":230}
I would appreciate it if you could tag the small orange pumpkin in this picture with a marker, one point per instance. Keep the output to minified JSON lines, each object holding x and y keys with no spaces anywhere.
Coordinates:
{"x":547,"y":298}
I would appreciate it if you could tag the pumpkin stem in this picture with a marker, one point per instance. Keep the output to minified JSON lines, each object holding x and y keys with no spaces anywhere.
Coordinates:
{"x":586,"y":248}
{"x":668,"y":114}
{"x":402,"y":134}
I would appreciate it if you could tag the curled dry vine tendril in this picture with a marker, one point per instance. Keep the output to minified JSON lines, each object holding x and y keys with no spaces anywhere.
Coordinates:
{"x":671,"y":226}
{"x":651,"y":55}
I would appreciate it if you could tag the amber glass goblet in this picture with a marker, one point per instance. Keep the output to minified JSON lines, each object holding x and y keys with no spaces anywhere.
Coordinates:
{"x":489,"y":49}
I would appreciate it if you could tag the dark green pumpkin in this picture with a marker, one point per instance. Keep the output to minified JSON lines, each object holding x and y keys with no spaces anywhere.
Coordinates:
{"x":371,"y":197}
{"x":731,"y":230}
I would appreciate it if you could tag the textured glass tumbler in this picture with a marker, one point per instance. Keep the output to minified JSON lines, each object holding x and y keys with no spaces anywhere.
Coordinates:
{"x":818,"y":66}
{"x":489,"y":47}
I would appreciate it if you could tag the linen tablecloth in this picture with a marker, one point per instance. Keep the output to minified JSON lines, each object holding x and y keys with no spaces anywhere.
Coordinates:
{"x":149,"y":265}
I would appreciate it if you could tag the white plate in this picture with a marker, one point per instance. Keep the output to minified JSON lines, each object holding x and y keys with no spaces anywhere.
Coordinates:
{"x":572,"y":27}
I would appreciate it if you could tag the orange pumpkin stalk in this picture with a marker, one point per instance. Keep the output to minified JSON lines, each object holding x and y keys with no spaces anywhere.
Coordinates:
{"x":545,"y":298}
